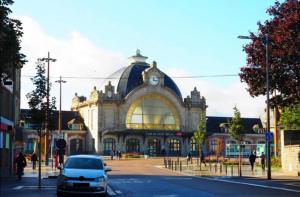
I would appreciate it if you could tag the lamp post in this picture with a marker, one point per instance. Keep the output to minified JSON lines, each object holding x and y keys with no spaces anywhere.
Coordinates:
{"x":48,"y":60}
{"x":60,"y":81}
{"x":266,"y":42}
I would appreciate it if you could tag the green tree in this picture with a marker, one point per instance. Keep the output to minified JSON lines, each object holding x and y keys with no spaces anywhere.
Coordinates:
{"x":284,"y":50}
{"x":290,"y":117}
{"x":235,"y":129}
{"x":38,"y":106}
{"x":10,"y":40}
{"x":199,"y":136}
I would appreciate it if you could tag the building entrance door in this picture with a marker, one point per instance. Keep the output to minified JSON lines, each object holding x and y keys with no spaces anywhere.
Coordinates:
{"x":154,"y":147}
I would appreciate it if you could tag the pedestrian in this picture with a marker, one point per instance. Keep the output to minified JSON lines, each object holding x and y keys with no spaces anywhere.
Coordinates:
{"x":252,"y":159}
{"x":33,"y":160}
{"x":21,"y":164}
{"x":111,"y":154}
{"x":189,"y":157}
{"x":262,"y":161}
{"x":120,"y":155}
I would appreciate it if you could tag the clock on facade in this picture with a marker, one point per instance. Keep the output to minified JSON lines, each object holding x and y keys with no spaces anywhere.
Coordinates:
{"x":153,"y":80}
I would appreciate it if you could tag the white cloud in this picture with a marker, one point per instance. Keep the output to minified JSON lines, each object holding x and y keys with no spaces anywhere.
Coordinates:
{"x":77,"y":56}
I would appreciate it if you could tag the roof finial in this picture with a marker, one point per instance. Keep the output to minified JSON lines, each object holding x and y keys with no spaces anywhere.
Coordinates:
{"x":138,"y":52}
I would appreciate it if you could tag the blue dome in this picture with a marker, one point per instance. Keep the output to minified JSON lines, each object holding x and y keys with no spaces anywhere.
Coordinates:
{"x":132,"y":77}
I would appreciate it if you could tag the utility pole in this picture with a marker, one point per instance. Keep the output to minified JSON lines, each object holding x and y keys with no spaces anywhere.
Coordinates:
{"x":268,"y":105}
{"x":266,"y":42}
{"x":60,"y":81}
{"x":47,"y":59}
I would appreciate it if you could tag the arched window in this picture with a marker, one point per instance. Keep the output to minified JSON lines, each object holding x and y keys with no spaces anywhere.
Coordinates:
{"x":152,"y":111}
{"x":109,"y":145}
{"x":133,"y":145}
{"x":174,"y":147}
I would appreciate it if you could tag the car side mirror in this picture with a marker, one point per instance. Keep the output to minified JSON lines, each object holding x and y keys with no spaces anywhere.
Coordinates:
{"x":105,"y":164}
{"x":107,"y":169}
{"x":59,"y":167}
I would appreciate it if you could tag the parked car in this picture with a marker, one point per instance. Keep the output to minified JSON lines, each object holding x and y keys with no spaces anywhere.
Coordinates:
{"x":83,"y":174}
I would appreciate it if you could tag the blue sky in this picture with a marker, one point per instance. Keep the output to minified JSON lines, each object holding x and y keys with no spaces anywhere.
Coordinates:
{"x":195,"y":37}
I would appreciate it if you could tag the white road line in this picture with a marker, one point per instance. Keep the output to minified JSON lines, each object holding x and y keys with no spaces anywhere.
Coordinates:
{"x":110,"y":191}
{"x":18,"y":187}
{"x":118,"y":192}
{"x":250,"y":184}
{"x":242,"y":183}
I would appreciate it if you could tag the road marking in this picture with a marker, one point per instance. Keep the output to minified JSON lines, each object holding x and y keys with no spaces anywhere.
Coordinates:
{"x":176,"y":178}
{"x":18,"y":187}
{"x":118,"y":192}
{"x":33,"y":187}
{"x":110,"y":191}
{"x":242,"y":183}
{"x":250,"y":184}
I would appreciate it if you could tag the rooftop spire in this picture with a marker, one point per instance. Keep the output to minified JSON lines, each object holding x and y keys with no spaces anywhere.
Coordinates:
{"x":137,"y":57}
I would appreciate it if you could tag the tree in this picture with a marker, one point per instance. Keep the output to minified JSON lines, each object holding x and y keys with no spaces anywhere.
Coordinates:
{"x":199,"y":135}
{"x":283,"y":32}
{"x":235,"y":129}
{"x":38,"y":106}
{"x":10,"y":40}
{"x":290,"y":117}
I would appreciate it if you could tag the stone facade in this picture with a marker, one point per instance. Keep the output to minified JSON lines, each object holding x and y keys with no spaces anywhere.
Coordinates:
{"x":128,"y":116}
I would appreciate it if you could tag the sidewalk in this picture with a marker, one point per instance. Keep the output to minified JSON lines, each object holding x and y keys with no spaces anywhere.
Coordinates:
{"x":218,"y":170}
{"x":46,"y":171}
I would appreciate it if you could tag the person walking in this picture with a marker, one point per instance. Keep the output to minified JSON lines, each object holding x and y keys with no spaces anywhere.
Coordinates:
{"x":21,"y":164}
{"x":33,"y":160}
{"x":252,"y":159}
{"x":262,"y":161}
{"x":111,"y":154}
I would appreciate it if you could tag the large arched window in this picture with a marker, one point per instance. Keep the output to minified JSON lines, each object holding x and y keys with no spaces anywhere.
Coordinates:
{"x":152,"y":111}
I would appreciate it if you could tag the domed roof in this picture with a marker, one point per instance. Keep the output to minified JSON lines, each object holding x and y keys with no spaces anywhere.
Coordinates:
{"x":128,"y":78}
{"x":132,"y":77}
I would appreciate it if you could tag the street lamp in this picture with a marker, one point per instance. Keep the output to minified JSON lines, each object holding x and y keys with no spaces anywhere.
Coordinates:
{"x":60,"y":81}
{"x":266,"y":42}
{"x":48,"y":60}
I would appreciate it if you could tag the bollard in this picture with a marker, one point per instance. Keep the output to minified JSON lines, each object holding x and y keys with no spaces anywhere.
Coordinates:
{"x":200,"y":166}
{"x":180,"y":166}
{"x":216,"y":167}
{"x":177,"y":159}
{"x":175,"y":165}
{"x":226,"y":169}
{"x":187,"y":162}
{"x":172,"y":165}
{"x":231,"y":170}
{"x":165,"y":163}
{"x":209,"y":166}
{"x":220,"y":168}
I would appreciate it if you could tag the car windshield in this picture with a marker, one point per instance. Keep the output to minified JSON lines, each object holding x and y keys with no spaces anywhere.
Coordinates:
{"x":84,"y":163}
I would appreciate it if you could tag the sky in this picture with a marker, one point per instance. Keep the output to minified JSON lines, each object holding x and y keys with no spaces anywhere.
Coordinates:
{"x":92,"y":39}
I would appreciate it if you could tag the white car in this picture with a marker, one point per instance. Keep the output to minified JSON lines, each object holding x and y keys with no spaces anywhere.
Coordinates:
{"x":83,"y":174}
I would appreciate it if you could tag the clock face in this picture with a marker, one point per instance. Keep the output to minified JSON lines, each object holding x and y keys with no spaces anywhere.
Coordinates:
{"x":153,"y":79}
{"x":109,"y":93}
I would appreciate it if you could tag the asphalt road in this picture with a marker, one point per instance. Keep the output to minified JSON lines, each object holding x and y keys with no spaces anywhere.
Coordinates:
{"x":145,"y":178}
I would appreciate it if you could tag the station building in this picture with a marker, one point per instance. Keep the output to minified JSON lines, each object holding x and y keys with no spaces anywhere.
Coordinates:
{"x":140,"y":110}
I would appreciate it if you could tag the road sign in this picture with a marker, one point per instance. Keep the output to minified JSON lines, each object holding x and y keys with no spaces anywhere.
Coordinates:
{"x":269,"y":136}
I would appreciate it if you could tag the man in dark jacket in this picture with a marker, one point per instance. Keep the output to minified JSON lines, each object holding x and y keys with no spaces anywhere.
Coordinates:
{"x":252,"y":159}
{"x":33,"y":160}
{"x":21,"y":164}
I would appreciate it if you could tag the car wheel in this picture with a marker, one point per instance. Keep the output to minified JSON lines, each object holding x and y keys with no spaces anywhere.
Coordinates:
{"x":59,"y":194}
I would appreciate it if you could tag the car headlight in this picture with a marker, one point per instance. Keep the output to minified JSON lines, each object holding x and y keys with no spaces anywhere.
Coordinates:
{"x":100,"y":179}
